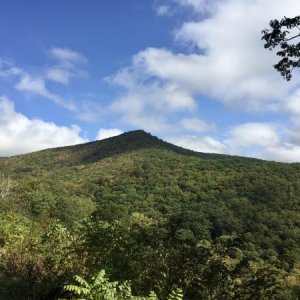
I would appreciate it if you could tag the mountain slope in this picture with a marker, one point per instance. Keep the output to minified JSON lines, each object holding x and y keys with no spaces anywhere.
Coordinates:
{"x":97,"y":150}
{"x":133,"y":195}
{"x":138,"y":172}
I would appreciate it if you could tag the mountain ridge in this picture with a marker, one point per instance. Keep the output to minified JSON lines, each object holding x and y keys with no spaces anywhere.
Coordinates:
{"x":125,"y":142}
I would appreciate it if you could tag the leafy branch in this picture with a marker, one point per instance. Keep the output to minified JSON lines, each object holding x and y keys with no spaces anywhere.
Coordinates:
{"x":278,"y":35}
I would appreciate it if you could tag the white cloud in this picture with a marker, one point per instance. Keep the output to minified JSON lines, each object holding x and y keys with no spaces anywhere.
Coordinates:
{"x":198,"y":143}
{"x":230,"y":63}
{"x":292,"y":106}
{"x":58,"y":74}
{"x":235,"y":66}
{"x":36,"y":86}
{"x":200,"y":6}
{"x":19,"y":134}
{"x":284,"y":153}
{"x":294,"y":136}
{"x":91,"y":111}
{"x":163,"y":10}
{"x":68,"y":65}
{"x":262,"y":140}
{"x":107,"y":133}
{"x":196,"y":125}
{"x":67,"y":55}
{"x":33,"y":85}
{"x":253,"y":134}
{"x":149,"y":102}
{"x":136,"y":110}
{"x":223,"y":59}
{"x":8,"y":69}
{"x":140,"y":80}
{"x":258,"y":140}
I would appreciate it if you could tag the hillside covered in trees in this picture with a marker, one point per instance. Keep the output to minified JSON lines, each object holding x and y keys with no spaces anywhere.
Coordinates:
{"x":159,"y":219}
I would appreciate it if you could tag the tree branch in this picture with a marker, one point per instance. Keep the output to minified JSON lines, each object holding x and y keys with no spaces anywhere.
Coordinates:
{"x":286,"y":40}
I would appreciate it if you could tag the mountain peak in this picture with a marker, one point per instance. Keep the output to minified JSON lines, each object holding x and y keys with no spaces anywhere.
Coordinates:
{"x":120,"y":144}
{"x":139,"y":133}
{"x":97,"y":150}
{"x":126,"y":142}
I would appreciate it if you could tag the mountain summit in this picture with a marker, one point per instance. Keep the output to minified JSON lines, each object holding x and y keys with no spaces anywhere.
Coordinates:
{"x":97,"y":150}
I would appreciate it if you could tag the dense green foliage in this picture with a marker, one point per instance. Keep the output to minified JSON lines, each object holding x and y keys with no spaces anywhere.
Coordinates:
{"x":158,"y":218}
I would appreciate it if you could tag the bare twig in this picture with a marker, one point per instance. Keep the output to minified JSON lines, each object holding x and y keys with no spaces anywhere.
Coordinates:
{"x":293,"y":37}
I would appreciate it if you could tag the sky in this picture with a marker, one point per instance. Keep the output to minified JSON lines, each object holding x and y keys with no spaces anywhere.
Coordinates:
{"x":192,"y":72}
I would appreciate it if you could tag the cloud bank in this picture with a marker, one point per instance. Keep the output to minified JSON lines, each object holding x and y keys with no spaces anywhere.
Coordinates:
{"x":222,"y":59}
{"x":20,"y":134}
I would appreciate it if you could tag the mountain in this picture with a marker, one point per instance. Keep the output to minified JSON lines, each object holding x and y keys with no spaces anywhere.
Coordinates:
{"x":94,"y":151}
{"x":141,"y":208}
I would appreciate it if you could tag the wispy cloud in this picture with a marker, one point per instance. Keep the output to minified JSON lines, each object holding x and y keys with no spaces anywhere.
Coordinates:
{"x":163,"y":10}
{"x":36,"y":86}
{"x":68,"y":65}
{"x":196,"y":125}
{"x":66,"y":55}
{"x":58,"y":74}
{"x":199,"y":6}
{"x":8,"y":69}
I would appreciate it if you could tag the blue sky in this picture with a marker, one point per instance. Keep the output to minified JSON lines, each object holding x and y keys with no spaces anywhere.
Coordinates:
{"x":76,"y":71}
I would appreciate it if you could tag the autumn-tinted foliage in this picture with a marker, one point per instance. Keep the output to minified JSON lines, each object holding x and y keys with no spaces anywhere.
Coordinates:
{"x":151,"y":214}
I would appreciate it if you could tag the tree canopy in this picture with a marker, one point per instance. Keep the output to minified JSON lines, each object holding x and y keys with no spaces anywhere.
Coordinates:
{"x":163,"y":222}
{"x":283,"y":35}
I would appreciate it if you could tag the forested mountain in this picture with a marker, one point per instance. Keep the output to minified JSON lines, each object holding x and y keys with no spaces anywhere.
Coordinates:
{"x":154,"y":215}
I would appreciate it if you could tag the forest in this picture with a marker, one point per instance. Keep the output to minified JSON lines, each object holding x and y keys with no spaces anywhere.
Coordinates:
{"x":134,"y":217}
